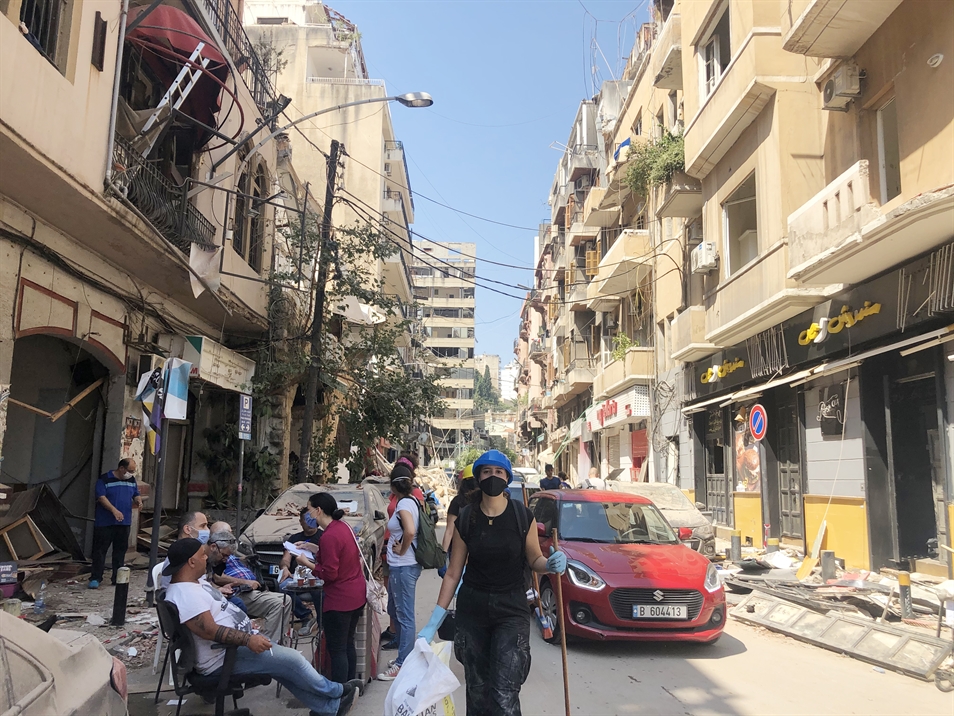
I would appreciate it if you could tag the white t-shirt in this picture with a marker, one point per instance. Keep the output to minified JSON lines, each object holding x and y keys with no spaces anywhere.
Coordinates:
{"x":397,"y":532}
{"x":193,"y":598}
{"x":594,"y":483}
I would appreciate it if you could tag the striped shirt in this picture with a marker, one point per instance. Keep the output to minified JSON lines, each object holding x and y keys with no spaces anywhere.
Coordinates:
{"x":120,"y":492}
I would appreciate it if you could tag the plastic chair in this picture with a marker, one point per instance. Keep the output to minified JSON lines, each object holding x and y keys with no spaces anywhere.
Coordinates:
{"x":186,"y":680}
{"x":156,"y":577}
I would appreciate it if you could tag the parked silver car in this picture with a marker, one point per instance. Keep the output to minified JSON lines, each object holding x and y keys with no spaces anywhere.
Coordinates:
{"x":676,"y":508}
{"x":365,"y":512}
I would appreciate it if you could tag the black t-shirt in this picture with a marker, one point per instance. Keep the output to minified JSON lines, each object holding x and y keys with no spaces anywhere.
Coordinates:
{"x":302,"y":537}
{"x":456,"y":505}
{"x":497,"y":558}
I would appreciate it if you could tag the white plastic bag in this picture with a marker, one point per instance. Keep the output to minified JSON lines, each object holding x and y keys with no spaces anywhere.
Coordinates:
{"x":424,"y":684}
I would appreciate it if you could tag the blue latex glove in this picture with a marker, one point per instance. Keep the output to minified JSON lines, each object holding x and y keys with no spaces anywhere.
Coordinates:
{"x":556,"y":563}
{"x":441,"y":571}
{"x":430,"y":631}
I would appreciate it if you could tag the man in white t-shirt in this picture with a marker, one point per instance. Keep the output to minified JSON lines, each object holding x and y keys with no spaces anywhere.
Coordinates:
{"x":213,"y":621}
{"x":593,"y":480}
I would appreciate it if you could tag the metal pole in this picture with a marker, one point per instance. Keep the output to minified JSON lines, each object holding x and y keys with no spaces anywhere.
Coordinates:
{"x":120,"y":597}
{"x":157,"y":498}
{"x":241,"y":474}
{"x":313,"y":388}
{"x":735,"y":546}
{"x":301,"y":247}
{"x":904,"y":595}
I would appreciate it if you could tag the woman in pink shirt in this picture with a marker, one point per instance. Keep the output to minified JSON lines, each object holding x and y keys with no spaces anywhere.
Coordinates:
{"x":338,"y":563}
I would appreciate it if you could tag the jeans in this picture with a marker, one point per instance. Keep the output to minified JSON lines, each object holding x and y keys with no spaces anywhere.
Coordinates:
{"x":340,"y":629}
{"x":103,"y":537}
{"x":299,"y":608}
{"x":492,"y":641}
{"x":402,"y":585}
{"x":291,"y":670}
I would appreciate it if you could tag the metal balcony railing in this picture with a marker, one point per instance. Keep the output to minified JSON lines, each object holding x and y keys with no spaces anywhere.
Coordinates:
{"x":344,"y":81}
{"x":164,"y":204}
{"x":229,"y":25}
{"x":393,"y":144}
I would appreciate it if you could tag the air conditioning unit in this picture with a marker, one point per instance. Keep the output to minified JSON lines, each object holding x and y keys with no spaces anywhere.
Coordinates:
{"x":843,"y":86}
{"x":584,"y":182}
{"x":704,"y":257}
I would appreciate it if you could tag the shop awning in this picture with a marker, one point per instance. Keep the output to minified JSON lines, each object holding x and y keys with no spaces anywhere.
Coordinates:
{"x":758,"y":389}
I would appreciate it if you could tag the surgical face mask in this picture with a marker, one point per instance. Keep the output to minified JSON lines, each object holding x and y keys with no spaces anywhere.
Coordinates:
{"x":203,"y":536}
{"x":311,"y":521}
{"x":493,"y":485}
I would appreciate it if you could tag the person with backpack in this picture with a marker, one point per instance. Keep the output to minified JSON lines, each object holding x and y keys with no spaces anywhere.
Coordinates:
{"x":403,"y":568}
{"x":496,"y":538}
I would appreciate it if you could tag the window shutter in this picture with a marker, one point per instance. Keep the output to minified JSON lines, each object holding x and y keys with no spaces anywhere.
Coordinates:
{"x":592,"y":263}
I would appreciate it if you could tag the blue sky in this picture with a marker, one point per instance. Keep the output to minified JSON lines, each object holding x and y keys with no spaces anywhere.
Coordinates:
{"x":507,"y":78}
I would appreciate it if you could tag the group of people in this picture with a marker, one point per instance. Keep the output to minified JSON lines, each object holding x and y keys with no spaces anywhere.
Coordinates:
{"x":593,"y":481}
{"x":492,"y":545}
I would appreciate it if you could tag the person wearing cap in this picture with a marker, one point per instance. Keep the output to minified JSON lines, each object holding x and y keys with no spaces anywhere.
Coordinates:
{"x":403,"y":569}
{"x":389,"y":638}
{"x":550,"y":482}
{"x":228,"y":570}
{"x":211,"y":624}
{"x":496,"y":538}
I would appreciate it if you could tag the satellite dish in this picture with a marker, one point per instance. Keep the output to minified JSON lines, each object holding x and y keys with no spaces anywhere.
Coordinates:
{"x":423,"y":438}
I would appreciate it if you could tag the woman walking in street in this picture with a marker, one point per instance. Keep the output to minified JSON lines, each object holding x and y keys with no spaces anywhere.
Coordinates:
{"x":338,"y":564}
{"x":496,"y":538}
{"x":404,"y":571}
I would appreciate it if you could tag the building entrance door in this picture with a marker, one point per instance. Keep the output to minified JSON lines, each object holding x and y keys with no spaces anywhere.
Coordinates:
{"x":788,"y":455}
{"x":717,"y":488}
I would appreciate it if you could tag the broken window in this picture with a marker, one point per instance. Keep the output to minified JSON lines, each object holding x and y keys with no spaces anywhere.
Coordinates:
{"x":715,"y":54}
{"x":741,"y":225}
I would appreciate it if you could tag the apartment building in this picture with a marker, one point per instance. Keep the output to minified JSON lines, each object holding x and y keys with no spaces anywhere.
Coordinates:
{"x":485,"y":360}
{"x":444,"y":292}
{"x":129,"y":232}
{"x":798,"y":257}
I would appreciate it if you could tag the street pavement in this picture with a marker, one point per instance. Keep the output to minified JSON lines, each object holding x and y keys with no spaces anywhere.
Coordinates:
{"x":749,"y":671}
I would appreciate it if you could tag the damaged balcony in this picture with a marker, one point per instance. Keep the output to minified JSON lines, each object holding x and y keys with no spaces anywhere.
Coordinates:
{"x":666,"y":66}
{"x":832,"y":28}
{"x":680,"y":197}
{"x":622,"y":267}
{"x":841,"y":234}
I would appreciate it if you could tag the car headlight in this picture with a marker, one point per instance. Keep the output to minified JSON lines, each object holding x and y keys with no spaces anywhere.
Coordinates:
{"x":703,"y":532}
{"x":584,"y":577}
{"x":712,"y":583}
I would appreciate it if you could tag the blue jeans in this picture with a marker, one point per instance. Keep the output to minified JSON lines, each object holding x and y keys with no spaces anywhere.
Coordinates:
{"x":402,"y":585}
{"x":292,"y":671}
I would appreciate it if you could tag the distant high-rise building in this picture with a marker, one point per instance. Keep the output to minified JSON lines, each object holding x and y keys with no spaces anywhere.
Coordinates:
{"x":508,"y":380}
{"x":444,"y":289}
{"x":484,"y":360}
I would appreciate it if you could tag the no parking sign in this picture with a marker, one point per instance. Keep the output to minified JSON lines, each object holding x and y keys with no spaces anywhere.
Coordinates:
{"x":758,"y":421}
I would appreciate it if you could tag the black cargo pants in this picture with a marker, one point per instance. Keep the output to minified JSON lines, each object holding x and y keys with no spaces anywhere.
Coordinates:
{"x":492,"y":641}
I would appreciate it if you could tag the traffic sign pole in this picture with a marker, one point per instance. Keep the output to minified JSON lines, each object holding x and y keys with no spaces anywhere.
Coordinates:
{"x":758,"y":427}
{"x":244,"y":433}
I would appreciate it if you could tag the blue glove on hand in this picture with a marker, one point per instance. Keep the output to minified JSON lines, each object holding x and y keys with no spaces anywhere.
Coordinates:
{"x":556,"y":563}
{"x":437,"y":618}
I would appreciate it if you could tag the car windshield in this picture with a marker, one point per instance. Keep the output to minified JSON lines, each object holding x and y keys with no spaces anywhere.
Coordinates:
{"x":614,"y":523}
{"x":665,"y":497}
{"x":291,"y":501}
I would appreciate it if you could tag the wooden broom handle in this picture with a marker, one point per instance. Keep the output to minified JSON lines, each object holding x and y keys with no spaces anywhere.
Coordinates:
{"x":559,"y":595}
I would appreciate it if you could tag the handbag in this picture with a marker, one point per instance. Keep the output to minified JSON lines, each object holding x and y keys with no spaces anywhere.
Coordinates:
{"x":375,"y":592}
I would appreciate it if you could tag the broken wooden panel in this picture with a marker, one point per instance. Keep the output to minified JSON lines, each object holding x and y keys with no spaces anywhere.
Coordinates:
{"x":892,"y":647}
{"x":22,"y":540}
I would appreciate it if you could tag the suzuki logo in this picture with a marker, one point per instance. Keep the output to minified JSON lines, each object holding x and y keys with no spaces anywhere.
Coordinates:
{"x":658,"y":595}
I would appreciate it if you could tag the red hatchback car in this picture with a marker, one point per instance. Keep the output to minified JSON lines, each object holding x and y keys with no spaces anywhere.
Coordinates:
{"x":628,"y":575}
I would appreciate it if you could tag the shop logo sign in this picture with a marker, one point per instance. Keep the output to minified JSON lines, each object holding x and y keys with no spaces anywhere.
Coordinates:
{"x":609,"y":409}
{"x":719,"y":371}
{"x":819,"y":332}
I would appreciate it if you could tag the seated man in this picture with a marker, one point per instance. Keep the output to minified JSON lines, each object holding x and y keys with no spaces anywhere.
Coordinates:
{"x":228,"y":570}
{"x":202,"y":614}
{"x":309,"y":534}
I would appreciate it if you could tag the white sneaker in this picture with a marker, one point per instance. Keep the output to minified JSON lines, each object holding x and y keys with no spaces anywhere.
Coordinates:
{"x":390,"y":674}
{"x":308,"y":628}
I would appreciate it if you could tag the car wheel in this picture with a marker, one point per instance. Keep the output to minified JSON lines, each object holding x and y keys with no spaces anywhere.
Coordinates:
{"x":548,"y":605}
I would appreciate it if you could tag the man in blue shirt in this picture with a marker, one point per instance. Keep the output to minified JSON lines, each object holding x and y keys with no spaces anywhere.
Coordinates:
{"x":117,"y":494}
{"x":549,"y":482}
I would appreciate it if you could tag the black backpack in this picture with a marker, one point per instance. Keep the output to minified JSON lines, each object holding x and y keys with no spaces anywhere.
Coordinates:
{"x":465,"y":521}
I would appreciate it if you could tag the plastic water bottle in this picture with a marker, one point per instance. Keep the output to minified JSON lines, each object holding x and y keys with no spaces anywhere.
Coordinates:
{"x":39,"y":605}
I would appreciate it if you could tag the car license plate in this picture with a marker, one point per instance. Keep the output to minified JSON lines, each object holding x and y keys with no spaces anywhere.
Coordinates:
{"x":274,"y":569}
{"x":660,"y":611}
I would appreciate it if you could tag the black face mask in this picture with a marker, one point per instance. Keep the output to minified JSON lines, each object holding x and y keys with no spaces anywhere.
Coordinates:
{"x":493,"y":485}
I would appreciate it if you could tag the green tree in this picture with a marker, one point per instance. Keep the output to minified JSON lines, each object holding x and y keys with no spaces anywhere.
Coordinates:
{"x":485,"y":397}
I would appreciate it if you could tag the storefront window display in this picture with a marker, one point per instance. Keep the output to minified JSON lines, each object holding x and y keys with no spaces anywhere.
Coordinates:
{"x":748,"y":468}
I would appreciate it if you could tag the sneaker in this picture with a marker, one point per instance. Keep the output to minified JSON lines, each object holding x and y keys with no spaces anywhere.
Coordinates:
{"x":93,"y":584}
{"x":390,"y":645}
{"x":388,"y":635}
{"x":390,"y":674}
{"x":308,"y":628}
{"x":392,"y":663}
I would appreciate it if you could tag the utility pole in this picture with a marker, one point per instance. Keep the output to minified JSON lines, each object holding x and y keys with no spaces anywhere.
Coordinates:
{"x":313,"y":388}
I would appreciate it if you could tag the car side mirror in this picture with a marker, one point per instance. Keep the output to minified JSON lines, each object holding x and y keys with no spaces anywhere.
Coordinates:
{"x":378,"y":515}
{"x":541,"y":530}
{"x":700,"y":506}
{"x":685,"y":533}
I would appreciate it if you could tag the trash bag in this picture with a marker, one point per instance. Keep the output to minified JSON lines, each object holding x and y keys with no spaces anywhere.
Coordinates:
{"x":425,"y":683}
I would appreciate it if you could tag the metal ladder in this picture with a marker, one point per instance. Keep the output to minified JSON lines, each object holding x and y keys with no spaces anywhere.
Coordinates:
{"x":178,"y":91}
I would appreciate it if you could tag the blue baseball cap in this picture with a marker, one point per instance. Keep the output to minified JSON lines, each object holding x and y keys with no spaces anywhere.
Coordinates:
{"x":494,"y":458}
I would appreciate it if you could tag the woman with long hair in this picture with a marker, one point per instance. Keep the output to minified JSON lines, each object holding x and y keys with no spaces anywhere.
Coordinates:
{"x":338,"y":564}
{"x":496,"y":538}
{"x":403,"y":569}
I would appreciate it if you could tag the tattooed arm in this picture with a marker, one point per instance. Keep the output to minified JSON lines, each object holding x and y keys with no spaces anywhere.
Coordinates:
{"x":204,"y":627}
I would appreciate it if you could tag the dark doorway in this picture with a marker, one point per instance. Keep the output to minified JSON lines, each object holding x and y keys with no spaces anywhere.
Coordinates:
{"x":788,"y":457}
{"x":914,"y":438}
{"x":717,"y":487}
